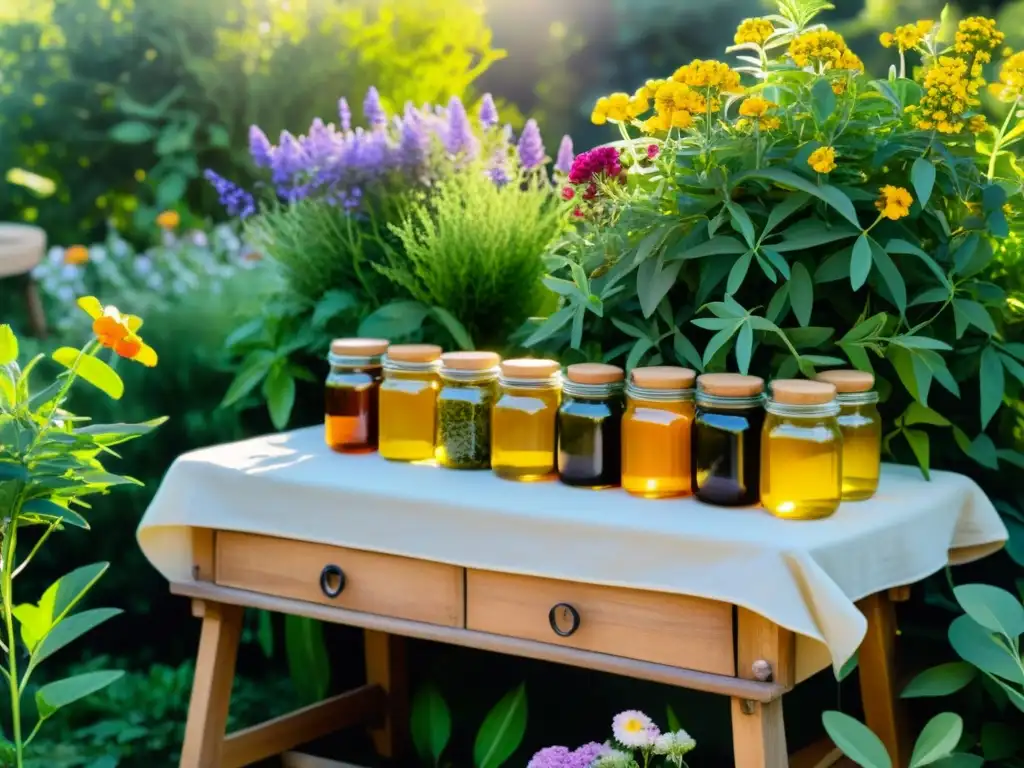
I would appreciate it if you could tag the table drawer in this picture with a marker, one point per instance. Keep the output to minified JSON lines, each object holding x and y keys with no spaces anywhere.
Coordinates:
{"x":382,"y":584}
{"x":679,"y":631}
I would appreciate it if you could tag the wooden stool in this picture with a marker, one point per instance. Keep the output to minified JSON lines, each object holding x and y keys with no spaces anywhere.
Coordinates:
{"x":21,"y":249}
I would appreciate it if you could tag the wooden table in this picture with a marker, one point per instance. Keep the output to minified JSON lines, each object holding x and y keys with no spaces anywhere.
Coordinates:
{"x":678,"y":640}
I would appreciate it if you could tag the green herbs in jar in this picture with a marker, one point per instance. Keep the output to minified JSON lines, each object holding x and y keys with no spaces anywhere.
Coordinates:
{"x":468,"y":391}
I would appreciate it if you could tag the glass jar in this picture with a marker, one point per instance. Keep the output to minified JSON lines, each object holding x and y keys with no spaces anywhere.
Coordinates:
{"x":656,"y":431}
{"x":861,"y":425}
{"x":801,"y":451}
{"x":469,"y":386}
{"x":523,"y":420}
{"x":408,"y":402}
{"x":727,"y":439}
{"x":351,"y":394}
{"x":590,"y":426}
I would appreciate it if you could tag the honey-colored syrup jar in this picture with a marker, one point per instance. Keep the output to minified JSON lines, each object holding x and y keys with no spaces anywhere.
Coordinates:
{"x":408,"y":402}
{"x":861,"y":425}
{"x":523,"y":419}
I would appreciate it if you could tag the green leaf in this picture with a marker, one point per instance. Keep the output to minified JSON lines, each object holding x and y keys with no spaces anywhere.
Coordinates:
{"x":8,"y":345}
{"x":937,"y":739}
{"x":943,"y":680}
{"x":395,"y":320}
{"x":823,"y":100}
{"x":640,"y":348}
{"x":930,"y":296}
{"x":976,"y":645}
{"x":744,"y":347}
{"x":719,"y":340}
{"x":57,"y":601}
{"x":831,"y":196}
{"x":551,"y":326}
{"x":921,"y":446}
{"x":974,"y":314}
{"x":801,"y":293}
{"x":431,"y":724}
{"x":48,"y":511}
{"x":502,"y":730}
{"x":922,"y":414}
{"x":738,"y":273}
{"x":654,"y":281}
{"x":993,"y":608}
{"x":811,"y":233}
{"x":920,"y":342}
{"x":965,"y":252}
{"x":132,"y":132}
{"x":992,"y":382}
{"x":890,"y":276}
{"x":685,"y":352}
{"x":455,"y":329}
{"x":716,"y":246}
{"x":256,"y":366}
{"x":91,"y":369}
{"x":922,"y":176}
{"x":331,"y":304}
{"x":672,"y":719}
{"x":903,"y":247}
{"x":913,"y":372}
{"x":779,"y":213}
{"x":559,"y":286}
{"x":741,"y":222}
{"x":856,"y":740}
{"x":309,"y":664}
{"x":279,"y":389}
{"x":53,"y":696}
{"x":776,"y":260}
{"x":1000,"y":741}
{"x":860,"y":262}
{"x":981,"y":258}
{"x":960,"y":760}
{"x":69,"y":630}
{"x":848,"y":667}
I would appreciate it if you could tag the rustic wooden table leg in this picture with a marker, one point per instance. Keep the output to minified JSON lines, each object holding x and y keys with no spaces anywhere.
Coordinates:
{"x":883,"y":711}
{"x":34,"y":304}
{"x":211,"y":687}
{"x":763,"y":651}
{"x":385,"y":656}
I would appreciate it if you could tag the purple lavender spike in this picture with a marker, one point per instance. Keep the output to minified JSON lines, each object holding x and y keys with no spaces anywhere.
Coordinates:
{"x":531,"y":146}
{"x":488,"y":112}
{"x":344,"y":115}
{"x":564,"y":162}
{"x":459,"y":138}
{"x":372,"y":109}
{"x":259,"y":147}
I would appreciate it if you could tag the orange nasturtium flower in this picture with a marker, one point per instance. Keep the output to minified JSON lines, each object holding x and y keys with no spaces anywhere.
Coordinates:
{"x":118,"y":332}
{"x":76,"y":255}
{"x":168,"y":220}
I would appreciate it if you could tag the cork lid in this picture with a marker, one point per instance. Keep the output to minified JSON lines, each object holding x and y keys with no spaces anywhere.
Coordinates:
{"x":848,"y":380}
{"x":802,"y":392}
{"x":663,"y":377}
{"x":730,"y":384}
{"x":470,"y":361}
{"x":414,"y":353}
{"x":594,"y":373}
{"x":358,"y":347}
{"x":528,"y":368}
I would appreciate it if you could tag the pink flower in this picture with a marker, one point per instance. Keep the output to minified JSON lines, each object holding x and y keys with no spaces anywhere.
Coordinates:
{"x":568,"y":193}
{"x":652,"y":151}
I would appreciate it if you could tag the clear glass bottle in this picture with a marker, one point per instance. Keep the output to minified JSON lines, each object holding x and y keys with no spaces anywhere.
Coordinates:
{"x":861,"y":425}
{"x":523,"y":420}
{"x":801,"y":451}
{"x":469,"y":387}
{"x":590,"y":426}
{"x":656,"y":432}
{"x":408,"y":402}
{"x":727,"y":439}
{"x":351,"y":394}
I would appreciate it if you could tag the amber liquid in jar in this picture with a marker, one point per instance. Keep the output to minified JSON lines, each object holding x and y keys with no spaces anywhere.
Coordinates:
{"x":351,"y":395}
{"x":469,"y":385}
{"x":408,"y":402}
{"x":523,"y":420}
{"x":590,"y":426}
{"x":656,"y":432}
{"x":861,"y":426}
{"x":727,"y":426}
{"x":801,"y":451}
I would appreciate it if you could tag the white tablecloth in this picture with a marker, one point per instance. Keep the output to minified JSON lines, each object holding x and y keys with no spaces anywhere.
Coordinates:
{"x":804,"y":576}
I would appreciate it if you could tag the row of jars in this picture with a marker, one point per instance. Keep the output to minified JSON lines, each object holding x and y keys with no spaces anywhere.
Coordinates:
{"x":798,"y":450}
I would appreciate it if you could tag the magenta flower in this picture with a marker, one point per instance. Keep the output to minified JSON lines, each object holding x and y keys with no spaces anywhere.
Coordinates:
{"x":595,"y":162}
{"x":652,"y":151}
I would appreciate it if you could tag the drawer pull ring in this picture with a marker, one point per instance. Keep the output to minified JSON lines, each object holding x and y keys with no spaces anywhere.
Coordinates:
{"x":332,"y":580}
{"x":566,"y":610}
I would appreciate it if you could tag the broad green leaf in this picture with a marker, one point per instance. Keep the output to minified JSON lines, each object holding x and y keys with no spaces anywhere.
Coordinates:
{"x":856,"y":740}
{"x":69,"y":630}
{"x":943,"y":680}
{"x":983,"y":451}
{"x":716,"y":246}
{"x":890,"y":276}
{"x":53,"y":696}
{"x":783,"y":211}
{"x":394,"y":320}
{"x":254,"y":369}
{"x":801,"y":293}
{"x":992,"y":382}
{"x":779,"y":306}
{"x":672,"y":719}
{"x":332,"y":304}
{"x":551,"y":326}
{"x":309,"y":664}
{"x":960,"y":760}
{"x":913,"y":372}
{"x":559,"y":286}
{"x":744,"y":347}
{"x":738,"y":273}
{"x":279,"y":390}
{"x":1014,"y":368}
{"x":903,"y":247}
{"x":848,"y":667}
{"x":860,"y":262}
{"x":133,"y":132}
{"x":640,"y":348}
{"x":920,"y":342}
{"x":976,"y":315}
{"x":8,"y":345}
{"x":921,"y":446}
{"x":930,"y":296}
{"x":48,"y":511}
{"x":833,"y":197}
{"x":113,"y":434}
{"x":938,"y":739}
{"x":653,"y":282}
{"x":718,"y":341}
{"x":937,"y":367}
{"x":502,"y":730}
{"x":993,"y":608}
{"x":652,"y":242}
{"x":455,"y":329}
{"x":576,"y":334}
{"x":976,"y":645}
{"x":629,"y":330}
{"x":981,"y":258}
{"x":810,"y":337}
{"x":741,"y":222}
{"x":685,"y":352}
{"x":811,"y":233}
{"x":922,"y":176}
{"x":431,"y":724}
{"x":870,"y":326}
{"x":57,"y":601}
{"x":965,"y":252}
{"x":823,"y":100}
{"x":1016,"y":697}
{"x":714,"y":323}
{"x":922,"y":414}
{"x":92,"y":370}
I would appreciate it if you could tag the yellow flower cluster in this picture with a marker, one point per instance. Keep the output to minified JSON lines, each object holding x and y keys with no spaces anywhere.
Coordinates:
{"x":711,"y":75}
{"x":823,"y":50}
{"x":756,"y":31}
{"x":949,"y":92}
{"x":614,"y":107}
{"x":1011,"y":79}
{"x":674,"y":107}
{"x":978,"y":36}
{"x":756,"y":110}
{"x":822,"y":160}
{"x":894,"y":202}
{"x":908,"y":36}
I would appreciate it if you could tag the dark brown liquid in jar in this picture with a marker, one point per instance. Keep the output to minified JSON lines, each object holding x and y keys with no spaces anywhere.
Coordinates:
{"x":351,"y":401}
{"x":727,"y":455}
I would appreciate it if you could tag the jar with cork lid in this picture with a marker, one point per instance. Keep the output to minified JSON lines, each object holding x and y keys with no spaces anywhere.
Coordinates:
{"x":727,"y":424}
{"x":801,"y":450}
{"x":469,"y":386}
{"x":590,"y":426}
{"x":351,"y":394}
{"x":408,"y":402}
{"x":861,"y":425}
{"x":523,"y":420}
{"x":656,"y":432}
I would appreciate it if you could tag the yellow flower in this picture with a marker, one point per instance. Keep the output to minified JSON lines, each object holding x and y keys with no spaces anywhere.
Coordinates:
{"x":978,"y":35}
{"x":908,"y":36}
{"x":887,"y":39}
{"x":894,"y":202}
{"x":949,"y":91}
{"x":640,"y":102}
{"x":675,"y":105}
{"x":823,"y":50}
{"x":168,"y":220}
{"x":76,"y":255}
{"x":977,"y":124}
{"x":118,"y":332}
{"x":756,"y":31}
{"x":713,"y":75}
{"x":769,"y":123}
{"x":822,"y":160}
{"x":1011,"y":79}
{"x":755,"y":106}
{"x":838,"y":87}
{"x":613,"y":107}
